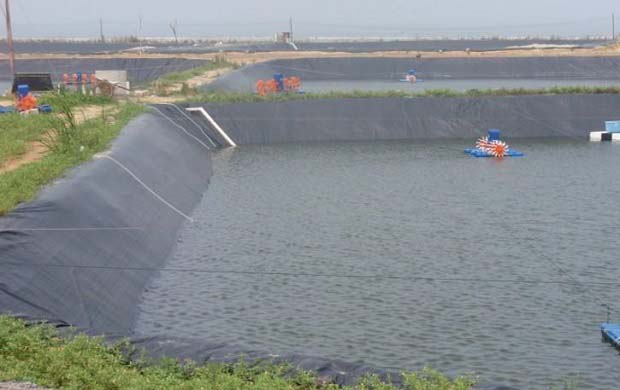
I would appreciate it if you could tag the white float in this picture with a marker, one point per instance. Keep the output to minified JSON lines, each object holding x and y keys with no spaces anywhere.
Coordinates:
{"x":604,"y":136}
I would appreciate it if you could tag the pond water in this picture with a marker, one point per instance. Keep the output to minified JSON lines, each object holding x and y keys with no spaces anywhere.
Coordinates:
{"x":457,"y":85}
{"x":400,"y":255}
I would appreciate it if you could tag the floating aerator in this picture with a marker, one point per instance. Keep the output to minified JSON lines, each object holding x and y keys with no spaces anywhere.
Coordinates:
{"x":492,"y":146}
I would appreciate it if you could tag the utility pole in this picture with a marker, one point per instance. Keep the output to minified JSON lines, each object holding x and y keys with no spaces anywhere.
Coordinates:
{"x":613,"y":27}
{"x":101,"y":30}
{"x":139,"y":34}
{"x":291,"y":28}
{"x":9,"y":36}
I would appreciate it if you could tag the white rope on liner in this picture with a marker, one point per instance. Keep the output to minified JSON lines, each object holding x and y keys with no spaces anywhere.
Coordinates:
{"x":136,"y":178}
{"x":193,"y":122}
{"x":180,"y":127}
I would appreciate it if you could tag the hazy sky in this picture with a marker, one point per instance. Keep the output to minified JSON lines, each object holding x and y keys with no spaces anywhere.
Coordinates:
{"x":371,"y":18}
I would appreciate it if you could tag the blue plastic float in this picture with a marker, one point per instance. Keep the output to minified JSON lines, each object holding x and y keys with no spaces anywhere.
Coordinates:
{"x":492,"y":146}
{"x":482,"y":153}
{"x":43,"y":109}
{"x":6,"y":110}
{"x":611,"y":333}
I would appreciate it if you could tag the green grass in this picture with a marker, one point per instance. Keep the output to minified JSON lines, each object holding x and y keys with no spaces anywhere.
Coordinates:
{"x":161,"y":86}
{"x":38,"y":354}
{"x":232,"y":97}
{"x":72,"y":145}
{"x":179,"y":77}
{"x":74,"y":99}
{"x":17,"y":132}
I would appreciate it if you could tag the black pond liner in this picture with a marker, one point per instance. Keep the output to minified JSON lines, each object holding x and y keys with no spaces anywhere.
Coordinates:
{"x":394,"y":69}
{"x":69,"y":47}
{"x":379,"y":46}
{"x":324,"y":120}
{"x":92,"y":47}
{"x":83,"y":252}
{"x":440,"y":44}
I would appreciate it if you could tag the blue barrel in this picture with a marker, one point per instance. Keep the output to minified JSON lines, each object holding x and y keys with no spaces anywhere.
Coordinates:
{"x":279,"y":78}
{"x":23,"y":90}
{"x":494,"y":135}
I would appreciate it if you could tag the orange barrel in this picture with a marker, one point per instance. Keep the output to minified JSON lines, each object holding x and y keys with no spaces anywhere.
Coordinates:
{"x":260,"y":87}
{"x":272,"y":86}
{"x":295,"y":83}
{"x":26,"y":103}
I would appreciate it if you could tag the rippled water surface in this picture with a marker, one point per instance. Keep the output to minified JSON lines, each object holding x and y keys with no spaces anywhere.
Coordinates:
{"x":457,"y":85}
{"x":401,"y":255}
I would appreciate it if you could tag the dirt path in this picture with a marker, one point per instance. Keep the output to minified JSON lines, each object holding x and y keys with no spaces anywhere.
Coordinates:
{"x":84,"y":113}
{"x":249,"y":58}
{"x":207,"y":78}
{"x":172,"y":93}
{"x":197,"y":81}
{"x":36,"y":150}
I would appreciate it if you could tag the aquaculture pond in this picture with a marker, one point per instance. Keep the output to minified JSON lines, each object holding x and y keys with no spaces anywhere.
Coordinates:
{"x":452,"y":84}
{"x":400,"y":255}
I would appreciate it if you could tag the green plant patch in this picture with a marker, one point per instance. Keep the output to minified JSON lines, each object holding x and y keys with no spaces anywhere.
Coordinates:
{"x":38,"y":354}
{"x":69,"y":145}
{"x":244,"y":97}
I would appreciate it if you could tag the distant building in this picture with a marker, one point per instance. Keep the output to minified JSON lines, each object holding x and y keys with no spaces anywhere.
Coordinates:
{"x":283,"y":37}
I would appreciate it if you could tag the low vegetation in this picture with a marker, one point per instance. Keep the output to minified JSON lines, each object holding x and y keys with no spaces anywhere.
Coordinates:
{"x":243,"y":97}
{"x":38,"y":354}
{"x":73,"y":99}
{"x":68,"y":142}
{"x":18,"y":131}
{"x":217,"y":63}
{"x":165,"y":85}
